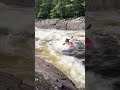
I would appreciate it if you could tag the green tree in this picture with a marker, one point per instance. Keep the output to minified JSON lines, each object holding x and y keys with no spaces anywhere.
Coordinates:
{"x":43,"y":8}
{"x":59,"y":8}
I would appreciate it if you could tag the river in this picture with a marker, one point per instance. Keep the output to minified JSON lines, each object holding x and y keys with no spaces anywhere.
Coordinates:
{"x":69,"y":60}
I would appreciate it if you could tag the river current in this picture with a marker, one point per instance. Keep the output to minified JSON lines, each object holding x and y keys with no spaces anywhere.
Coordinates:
{"x":49,"y":46}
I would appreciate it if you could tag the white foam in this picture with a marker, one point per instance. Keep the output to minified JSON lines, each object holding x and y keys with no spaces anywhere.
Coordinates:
{"x":52,"y":40}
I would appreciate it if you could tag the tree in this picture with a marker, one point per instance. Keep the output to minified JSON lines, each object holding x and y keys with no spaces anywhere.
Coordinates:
{"x":43,"y":8}
{"x":59,"y":8}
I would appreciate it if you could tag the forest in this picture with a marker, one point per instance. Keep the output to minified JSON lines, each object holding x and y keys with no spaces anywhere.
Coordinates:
{"x":59,"y":9}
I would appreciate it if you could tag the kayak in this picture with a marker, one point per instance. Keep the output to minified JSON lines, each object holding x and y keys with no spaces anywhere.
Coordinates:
{"x":88,"y":42}
{"x":70,"y":44}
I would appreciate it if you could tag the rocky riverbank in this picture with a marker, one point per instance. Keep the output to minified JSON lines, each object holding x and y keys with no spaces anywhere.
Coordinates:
{"x":49,"y":77}
{"x":70,"y":24}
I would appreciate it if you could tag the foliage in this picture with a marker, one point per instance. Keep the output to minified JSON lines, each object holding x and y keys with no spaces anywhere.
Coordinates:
{"x":59,"y":8}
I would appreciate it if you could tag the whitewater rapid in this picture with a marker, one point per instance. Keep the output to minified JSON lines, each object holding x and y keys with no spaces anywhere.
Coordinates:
{"x":49,"y":46}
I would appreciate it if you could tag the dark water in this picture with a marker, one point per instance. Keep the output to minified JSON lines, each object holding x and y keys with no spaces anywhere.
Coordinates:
{"x":105,"y":62}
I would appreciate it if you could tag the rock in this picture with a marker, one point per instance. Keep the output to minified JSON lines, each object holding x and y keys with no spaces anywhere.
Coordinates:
{"x":10,"y":82}
{"x":62,"y":24}
{"x":51,"y":24}
{"x":50,"y":78}
{"x":74,"y":24}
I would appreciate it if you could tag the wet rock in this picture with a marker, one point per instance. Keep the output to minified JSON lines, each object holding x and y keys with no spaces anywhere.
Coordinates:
{"x":51,"y":24}
{"x":75,"y":24}
{"x":50,"y":78}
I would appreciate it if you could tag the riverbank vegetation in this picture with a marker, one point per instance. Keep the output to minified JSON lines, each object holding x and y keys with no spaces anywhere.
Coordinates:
{"x":59,"y":8}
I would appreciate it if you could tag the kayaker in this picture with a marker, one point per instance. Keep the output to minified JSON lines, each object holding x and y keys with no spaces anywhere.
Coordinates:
{"x":67,"y":41}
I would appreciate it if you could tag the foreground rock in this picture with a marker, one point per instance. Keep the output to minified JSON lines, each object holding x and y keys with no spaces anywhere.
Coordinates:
{"x":74,"y":24}
{"x":50,"y":78}
{"x":10,"y":82}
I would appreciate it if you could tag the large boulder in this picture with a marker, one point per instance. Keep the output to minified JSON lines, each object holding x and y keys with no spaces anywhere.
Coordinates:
{"x":74,"y":24}
{"x":51,"y":24}
{"x":50,"y":78}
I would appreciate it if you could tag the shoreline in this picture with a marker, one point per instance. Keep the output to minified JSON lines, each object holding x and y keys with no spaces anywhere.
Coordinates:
{"x":61,"y":24}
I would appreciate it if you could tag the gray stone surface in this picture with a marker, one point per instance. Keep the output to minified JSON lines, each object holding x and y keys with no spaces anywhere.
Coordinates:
{"x":50,"y":78}
{"x":74,"y":24}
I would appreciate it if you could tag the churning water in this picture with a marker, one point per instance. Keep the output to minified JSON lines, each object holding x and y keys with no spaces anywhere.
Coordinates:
{"x":49,"y":46}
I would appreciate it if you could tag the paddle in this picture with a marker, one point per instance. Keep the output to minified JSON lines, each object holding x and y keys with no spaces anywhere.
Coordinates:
{"x":67,"y":40}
